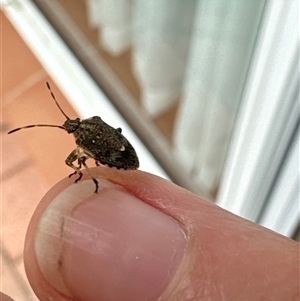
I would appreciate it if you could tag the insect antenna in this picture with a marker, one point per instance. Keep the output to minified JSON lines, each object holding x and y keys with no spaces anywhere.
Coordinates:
{"x":52,"y":94}
{"x":36,"y":125}
{"x":46,"y":125}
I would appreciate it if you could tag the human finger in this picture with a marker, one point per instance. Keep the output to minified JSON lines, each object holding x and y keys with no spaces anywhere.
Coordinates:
{"x":144,"y":238}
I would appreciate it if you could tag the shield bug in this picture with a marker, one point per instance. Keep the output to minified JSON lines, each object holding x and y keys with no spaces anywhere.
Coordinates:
{"x":94,"y":139}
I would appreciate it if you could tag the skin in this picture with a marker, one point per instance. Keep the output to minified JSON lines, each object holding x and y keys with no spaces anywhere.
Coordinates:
{"x":226,"y":257}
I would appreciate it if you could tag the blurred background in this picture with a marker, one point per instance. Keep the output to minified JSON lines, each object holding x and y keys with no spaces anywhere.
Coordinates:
{"x":206,"y":91}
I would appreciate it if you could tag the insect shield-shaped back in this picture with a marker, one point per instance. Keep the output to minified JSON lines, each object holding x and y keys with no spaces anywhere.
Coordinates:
{"x":94,"y":139}
{"x":105,"y":144}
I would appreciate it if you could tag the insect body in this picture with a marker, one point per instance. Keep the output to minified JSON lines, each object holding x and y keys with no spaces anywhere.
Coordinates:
{"x":94,"y":139}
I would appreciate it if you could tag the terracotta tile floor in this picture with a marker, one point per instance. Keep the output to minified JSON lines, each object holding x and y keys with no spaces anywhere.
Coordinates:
{"x":31,"y":160}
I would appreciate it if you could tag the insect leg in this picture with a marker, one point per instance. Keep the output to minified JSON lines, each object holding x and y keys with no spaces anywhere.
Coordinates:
{"x":75,"y":172}
{"x":72,"y":174}
{"x":75,"y":154}
{"x":82,"y":160}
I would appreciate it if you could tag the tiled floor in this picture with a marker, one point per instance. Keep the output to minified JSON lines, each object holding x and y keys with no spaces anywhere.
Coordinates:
{"x":31,"y":160}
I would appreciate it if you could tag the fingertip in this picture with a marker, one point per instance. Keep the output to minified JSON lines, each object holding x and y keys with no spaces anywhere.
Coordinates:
{"x":132,"y":229}
{"x":218,"y":252}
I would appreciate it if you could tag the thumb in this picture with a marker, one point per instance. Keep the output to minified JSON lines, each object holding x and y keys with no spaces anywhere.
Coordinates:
{"x":144,"y":238}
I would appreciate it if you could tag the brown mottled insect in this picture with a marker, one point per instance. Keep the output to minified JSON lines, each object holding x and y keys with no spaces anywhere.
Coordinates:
{"x":94,"y":139}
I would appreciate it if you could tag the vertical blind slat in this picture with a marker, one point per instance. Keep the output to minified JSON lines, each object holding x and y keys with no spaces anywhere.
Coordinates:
{"x":220,"y":53}
{"x":115,"y":19}
{"x":160,"y":47}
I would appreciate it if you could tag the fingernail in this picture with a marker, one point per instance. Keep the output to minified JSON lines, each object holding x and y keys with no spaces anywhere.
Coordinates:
{"x":108,"y":246}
